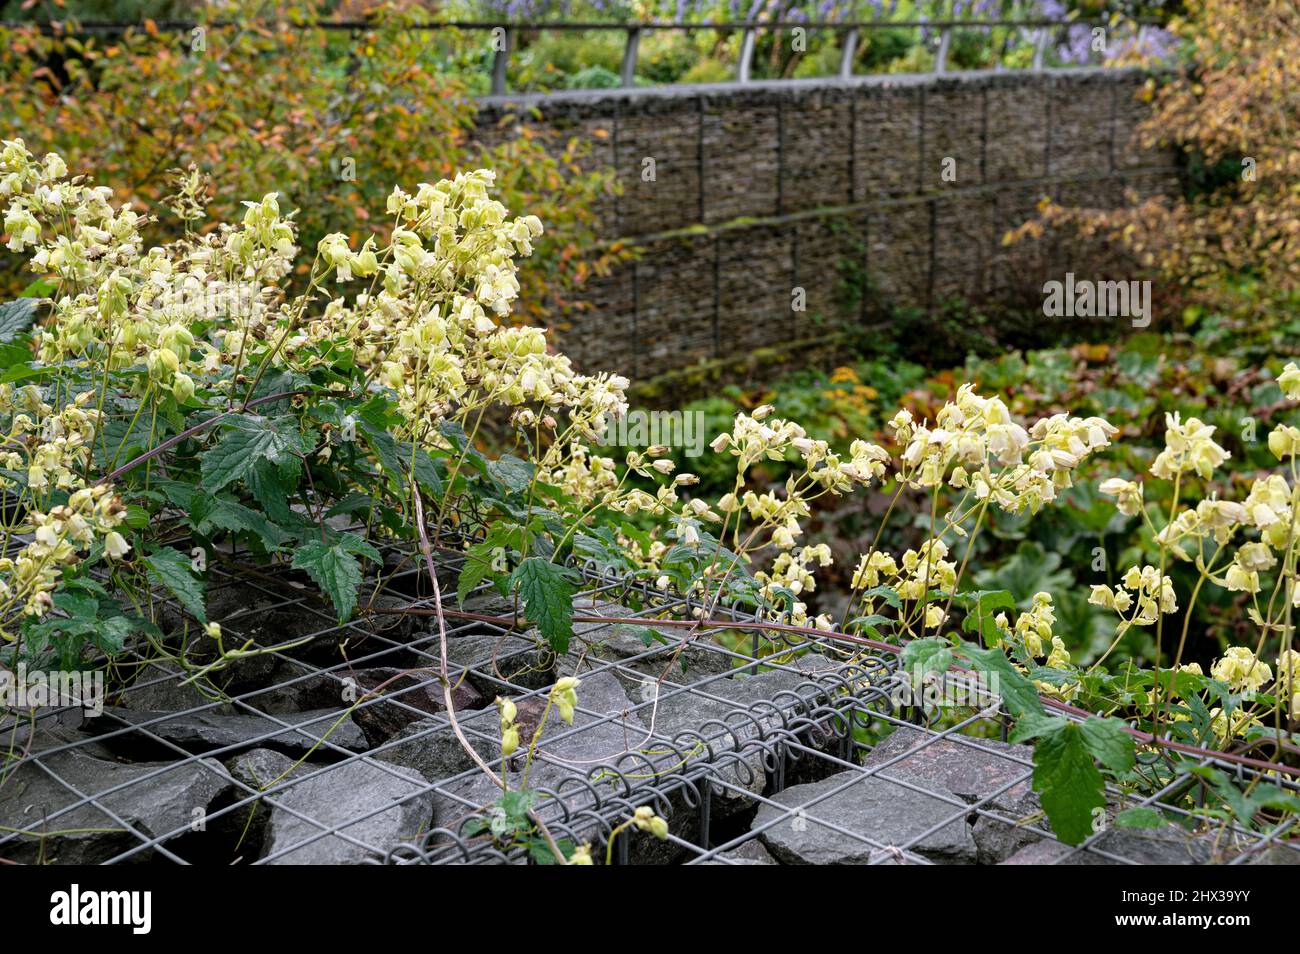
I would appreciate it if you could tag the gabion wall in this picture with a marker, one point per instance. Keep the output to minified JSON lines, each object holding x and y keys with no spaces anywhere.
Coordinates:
{"x":740,"y":194}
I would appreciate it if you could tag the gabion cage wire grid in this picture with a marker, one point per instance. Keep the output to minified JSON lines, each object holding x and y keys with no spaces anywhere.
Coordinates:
{"x":791,"y":750}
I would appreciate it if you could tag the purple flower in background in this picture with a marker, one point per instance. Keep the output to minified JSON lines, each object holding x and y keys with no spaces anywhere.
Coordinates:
{"x":1077,"y":47}
{"x":1153,"y":43}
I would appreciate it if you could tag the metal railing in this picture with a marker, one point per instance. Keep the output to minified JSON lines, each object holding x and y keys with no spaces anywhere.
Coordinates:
{"x":505,"y":36}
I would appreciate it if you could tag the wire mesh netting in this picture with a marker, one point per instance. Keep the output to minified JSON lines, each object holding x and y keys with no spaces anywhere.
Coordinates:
{"x":315,"y":742}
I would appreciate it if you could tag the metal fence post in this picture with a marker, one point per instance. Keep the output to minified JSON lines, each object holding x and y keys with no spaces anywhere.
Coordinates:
{"x":628,"y":72}
{"x":848,"y":52}
{"x":941,"y":56}
{"x":746,"y":56}
{"x":1040,"y":47}
{"x":501,"y":60}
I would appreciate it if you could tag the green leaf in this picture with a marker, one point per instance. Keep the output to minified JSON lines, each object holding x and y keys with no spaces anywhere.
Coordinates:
{"x":870,"y":624}
{"x":358,"y":545}
{"x":1017,"y":692}
{"x":1036,"y":725}
{"x":351,"y":502}
{"x":1068,"y":782}
{"x":335,"y":570}
{"x":39,"y":288}
{"x":235,"y":517}
{"x":386,"y":452}
{"x":171,"y":569}
{"x":247,"y":440}
{"x":272,"y":489}
{"x":512,"y":473}
{"x":548,"y":600}
{"x":1109,"y":743}
{"x":1139,"y":817}
{"x":17,"y":317}
{"x":426,"y":473}
{"x":932,"y":654}
{"x":886,"y":593}
{"x":1065,"y":771}
{"x":478,"y":566}
{"x":650,"y":637}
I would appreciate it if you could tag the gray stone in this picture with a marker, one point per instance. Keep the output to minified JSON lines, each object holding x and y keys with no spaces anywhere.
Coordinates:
{"x":1282,"y":853}
{"x":59,"y":731}
{"x":411,"y":694}
{"x":294,"y":687}
{"x":210,"y":729}
{"x":603,"y":731}
{"x":489,"y":603}
{"x":986,"y":771}
{"x":598,"y":644}
{"x":256,"y":769}
{"x":887,"y":814}
{"x":163,"y":687}
{"x":1170,"y":845}
{"x":156,"y":799}
{"x":431,"y":748}
{"x":380,"y":806}
{"x":685,"y":713}
{"x":748,"y":853}
{"x":493,"y":660}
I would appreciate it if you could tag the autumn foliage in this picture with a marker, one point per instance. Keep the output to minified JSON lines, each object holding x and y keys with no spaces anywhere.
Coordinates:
{"x":1232,"y":242}
{"x":329,"y":119}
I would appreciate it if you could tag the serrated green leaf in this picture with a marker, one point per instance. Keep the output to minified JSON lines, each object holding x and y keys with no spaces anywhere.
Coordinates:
{"x":17,"y":317}
{"x":1109,"y":743}
{"x":236,"y":518}
{"x":1068,"y":782}
{"x":1017,"y":692}
{"x":548,"y":600}
{"x":1139,"y":817}
{"x":246,"y":441}
{"x":511,"y":472}
{"x":335,"y":570}
{"x":426,"y":473}
{"x":358,"y":545}
{"x":171,"y":569}
{"x":477,"y":567}
{"x":1036,"y":725}
{"x":386,"y":452}
{"x":271,"y":489}
{"x":932,"y":654}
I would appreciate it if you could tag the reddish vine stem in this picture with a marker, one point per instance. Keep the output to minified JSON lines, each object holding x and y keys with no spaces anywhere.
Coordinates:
{"x":191,"y":431}
{"x":427,"y":551}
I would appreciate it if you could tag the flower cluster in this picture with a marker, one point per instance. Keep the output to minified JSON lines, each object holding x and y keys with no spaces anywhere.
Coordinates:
{"x":509,"y":730}
{"x":923,"y":570}
{"x":976,"y":445}
{"x":1247,"y":547}
{"x":564,"y":696}
{"x":1145,"y":591}
{"x":428,"y":324}
{"x":790,"y":572}
{"x":118,"y":305}
{"x":60,"y":536}
{"x":47,"y":452}
{"x":1189,"y":447}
